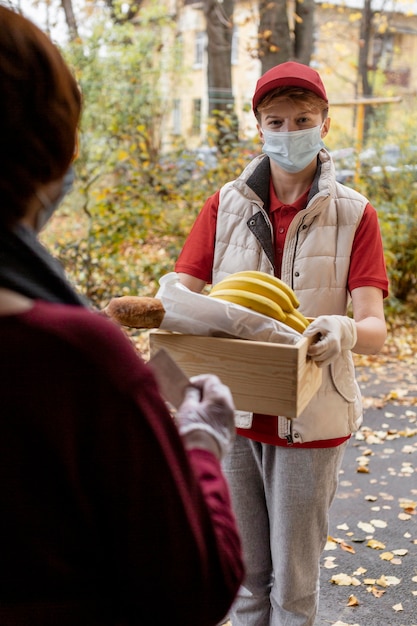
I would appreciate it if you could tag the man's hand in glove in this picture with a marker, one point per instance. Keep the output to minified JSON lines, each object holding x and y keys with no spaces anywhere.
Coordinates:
{"x":207,"y":408}
{"x":336,"y":333}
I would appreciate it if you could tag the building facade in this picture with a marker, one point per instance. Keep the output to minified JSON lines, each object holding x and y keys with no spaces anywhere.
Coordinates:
{"x":393,"y":50}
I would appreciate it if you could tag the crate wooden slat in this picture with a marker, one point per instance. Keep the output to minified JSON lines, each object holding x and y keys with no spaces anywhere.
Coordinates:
{"x":270,"y":378}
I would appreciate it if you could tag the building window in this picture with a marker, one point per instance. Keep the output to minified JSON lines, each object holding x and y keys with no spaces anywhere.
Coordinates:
{"x":196,"y":125}
{"x":382,"y":51}
{"x":200,"y":44}
{"x":176,"y":117}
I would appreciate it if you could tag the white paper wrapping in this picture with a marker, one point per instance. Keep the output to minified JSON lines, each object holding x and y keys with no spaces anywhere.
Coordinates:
{"x":196,"y":314}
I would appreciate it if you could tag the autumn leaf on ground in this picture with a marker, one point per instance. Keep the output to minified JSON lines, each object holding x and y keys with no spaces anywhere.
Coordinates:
{"x":353,"y":601}
{"x":330,"y":544}
{"x":386,"y":581}
{"x":408,"y":506}
{"x":375,"y":545}
{"x":404,"y":517}
{"x":398,"y":607}
{"x":367,"y":528}
{"x":344,"y":580}
{"x":346,"y":547}
{"x":377,"y":593}
{"x":378,"y":523}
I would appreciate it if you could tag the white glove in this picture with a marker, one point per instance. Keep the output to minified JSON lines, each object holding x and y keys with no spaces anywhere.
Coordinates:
{"x":336,"y":333}
{"x":208,"y":406}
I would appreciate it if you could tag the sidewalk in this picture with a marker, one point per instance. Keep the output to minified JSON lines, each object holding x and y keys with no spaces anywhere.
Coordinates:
{"x":371,"y":554}
{"x":372,"y":558}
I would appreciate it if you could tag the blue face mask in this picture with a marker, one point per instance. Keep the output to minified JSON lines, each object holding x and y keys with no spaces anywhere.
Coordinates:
{"x":293,"y":150}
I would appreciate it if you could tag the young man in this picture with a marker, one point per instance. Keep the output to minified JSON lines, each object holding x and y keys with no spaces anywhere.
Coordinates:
{"x":287,"y":215}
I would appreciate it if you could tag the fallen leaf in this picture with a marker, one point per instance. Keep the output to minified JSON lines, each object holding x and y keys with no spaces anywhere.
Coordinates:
{"x":352,"y":601}
{"x":367,"y":528}
{"x":375,"y":544}
{"x":410,"y":511}
{"x":346,"y":547}
{"x":386,"y":556}
{"x":330,"y":544}
{"x":404,"y":516}
{"x":386,"y":581}
{"x":401,"y":552}
{"x":398,"y":607}
{"x":378,"y":523}
{"x":377,"y":593}
{"x":344,"y":580}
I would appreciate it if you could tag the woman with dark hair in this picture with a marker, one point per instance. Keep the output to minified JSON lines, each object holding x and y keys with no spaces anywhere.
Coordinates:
{"x":112,"y":512}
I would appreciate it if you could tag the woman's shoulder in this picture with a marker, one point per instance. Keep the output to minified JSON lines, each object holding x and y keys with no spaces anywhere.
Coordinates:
{"x":85,"y":330}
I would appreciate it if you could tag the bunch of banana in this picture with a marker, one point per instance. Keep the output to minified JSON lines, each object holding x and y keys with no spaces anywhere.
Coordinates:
{"x":264,"y":294}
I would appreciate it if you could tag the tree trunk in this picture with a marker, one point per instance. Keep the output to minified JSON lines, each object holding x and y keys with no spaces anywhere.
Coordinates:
{"x":274,"y":39}
{"x":304,"y":30}
{"x":70,"y":19}
{"x":364,"y":42}
{"x":219,"y":28}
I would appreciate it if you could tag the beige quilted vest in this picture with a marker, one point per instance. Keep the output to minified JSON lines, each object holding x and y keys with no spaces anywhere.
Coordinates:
{"x":315,"y":264}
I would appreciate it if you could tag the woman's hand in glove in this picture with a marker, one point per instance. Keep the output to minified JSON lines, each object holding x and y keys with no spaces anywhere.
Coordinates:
{"x":336,"y":333}
{"x":207,"y":408}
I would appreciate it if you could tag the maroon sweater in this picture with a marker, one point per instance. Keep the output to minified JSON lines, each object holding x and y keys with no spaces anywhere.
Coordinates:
{"x":104,"y":518}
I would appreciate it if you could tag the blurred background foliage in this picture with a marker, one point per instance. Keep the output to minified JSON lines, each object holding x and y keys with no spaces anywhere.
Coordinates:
{"x":124,"y":223}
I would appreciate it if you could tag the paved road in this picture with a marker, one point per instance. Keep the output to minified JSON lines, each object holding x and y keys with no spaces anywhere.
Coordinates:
{"x":379,"y":504}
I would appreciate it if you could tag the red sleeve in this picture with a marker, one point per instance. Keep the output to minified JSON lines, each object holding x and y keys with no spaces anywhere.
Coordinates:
{"x":367,"y":263}
{"x":217,"y":498}
{"x":196,"y":257}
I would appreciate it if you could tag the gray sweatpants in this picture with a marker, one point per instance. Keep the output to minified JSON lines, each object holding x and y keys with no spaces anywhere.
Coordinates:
{"x":281,"y":497}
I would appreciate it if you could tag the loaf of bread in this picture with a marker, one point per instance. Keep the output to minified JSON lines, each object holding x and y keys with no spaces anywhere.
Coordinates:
{"x":136,"y":311}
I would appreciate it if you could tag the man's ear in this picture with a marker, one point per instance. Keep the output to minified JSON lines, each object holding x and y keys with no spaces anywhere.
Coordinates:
{"x":260,"y":133}
{"x":326,"y":127}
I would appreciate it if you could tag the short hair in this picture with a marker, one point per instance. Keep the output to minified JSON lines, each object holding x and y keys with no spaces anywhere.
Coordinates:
{"x":297,"y":95}
{"x":40,"y":108}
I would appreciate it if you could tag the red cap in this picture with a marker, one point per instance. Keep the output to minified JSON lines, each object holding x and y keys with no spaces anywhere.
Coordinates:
{"x":289,"y":74}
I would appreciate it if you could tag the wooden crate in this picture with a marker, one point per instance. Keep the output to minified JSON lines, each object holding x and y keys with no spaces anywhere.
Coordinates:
{"x":270,"y":378}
